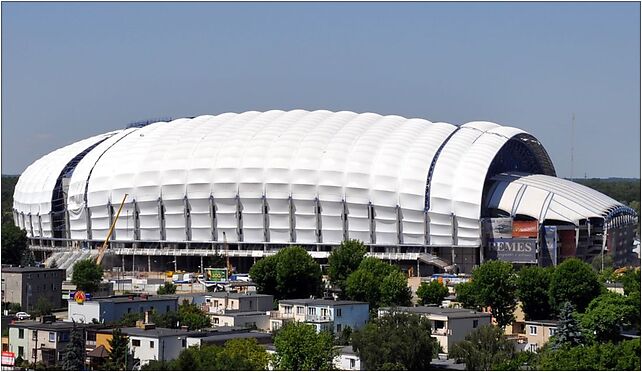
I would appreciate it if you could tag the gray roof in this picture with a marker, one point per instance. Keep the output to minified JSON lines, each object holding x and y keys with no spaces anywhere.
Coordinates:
{"x":125,"y":298}
{"x":158,"y":332}
{"x":30,"y":269}
{"x":53,"y":326}
{"x":236,"y":335}
{"x":347,"y":350}
{"x":237,"y":295}
{"x":542,"y":322}
{"x":447,"y":312}
{"x":320,"y":302}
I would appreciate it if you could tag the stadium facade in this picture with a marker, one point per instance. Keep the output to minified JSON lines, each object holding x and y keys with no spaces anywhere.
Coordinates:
{"x":412,"y":190}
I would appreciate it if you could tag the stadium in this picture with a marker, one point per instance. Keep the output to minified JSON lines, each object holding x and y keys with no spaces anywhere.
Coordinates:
{"x":434,"y":195}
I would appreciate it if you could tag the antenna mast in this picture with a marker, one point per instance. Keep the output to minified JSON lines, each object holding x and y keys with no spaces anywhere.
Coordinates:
{"x":572,"y":142}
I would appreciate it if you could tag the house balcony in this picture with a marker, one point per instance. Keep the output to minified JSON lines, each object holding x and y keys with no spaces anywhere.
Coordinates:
{"x":442,"y":332}
{"x":281,"y":315}
{"x":318,"y":318}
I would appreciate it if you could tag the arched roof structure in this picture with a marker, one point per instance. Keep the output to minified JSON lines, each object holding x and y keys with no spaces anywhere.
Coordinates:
{"x":279,"y":177}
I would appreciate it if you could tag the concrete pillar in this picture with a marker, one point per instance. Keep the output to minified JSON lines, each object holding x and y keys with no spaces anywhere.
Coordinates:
{"x":149,"y":263}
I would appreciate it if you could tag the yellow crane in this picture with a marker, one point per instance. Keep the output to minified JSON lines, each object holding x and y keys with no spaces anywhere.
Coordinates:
{"x":103,"y":249}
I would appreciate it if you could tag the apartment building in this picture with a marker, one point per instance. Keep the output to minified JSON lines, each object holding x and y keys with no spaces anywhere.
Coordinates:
{"x":27,"y":285}
{"x":324,"y":315}
{"x":449,"y":325}
{"x":222,"y":302}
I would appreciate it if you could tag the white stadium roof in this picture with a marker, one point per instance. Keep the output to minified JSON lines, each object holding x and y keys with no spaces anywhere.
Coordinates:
{"x":280,"y":176}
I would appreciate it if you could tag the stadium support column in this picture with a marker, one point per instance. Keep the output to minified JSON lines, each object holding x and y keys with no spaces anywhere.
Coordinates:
{"x":149,"y":264}
{"x":344,"y":219}
{"x":213,"y":221}
{"x":266,"y":220}
{"x":87,"y":222}
{"x":317,"y":211}
{"x":371,"y":224}
{"x":136,"y":214}
{"x":188,"y":220}
{"x":426,"y":228}
{"x":399,"y":225}
{"x":291,"y":217}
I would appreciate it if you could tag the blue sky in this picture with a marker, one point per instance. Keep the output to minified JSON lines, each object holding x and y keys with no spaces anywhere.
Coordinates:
{"x":71,"y":70}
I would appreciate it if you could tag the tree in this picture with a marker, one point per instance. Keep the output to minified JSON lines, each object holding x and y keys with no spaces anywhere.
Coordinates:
{"x":291,"y":273}
{"x":167,"y":288}
{"x":624,"y":356}
{"x":574,"y":281}
{"x":568,"y":330}
{"x":244,"y":354}
{"x":396,"y":341}
{"x":532,"y":291}
{"x":631,"y":281}
{"x":119,"y":355}
{"x":432,"y":293}
{"x":379,"y":284}
{"x":344,"y":260}
{"x":27,"y":259}
{"x":608,"y":314}
{"x":495,"y":286}
{"x":74,"y":355}
{"x":466,"y":295}
{"x":602,"y":262}
{"x":299,"y":347}
{"x":14,"y":243}
{"x":395,"y":290}
{"x":87,"y":275}
{"x":193,"y":317}
{"x":43,"y":306}
{"x":483,"y":348}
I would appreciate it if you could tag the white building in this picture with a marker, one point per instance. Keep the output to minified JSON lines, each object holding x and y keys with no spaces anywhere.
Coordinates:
{"x":324,"y":315}
{"x":347,"y":360}
{"x":155,"y":343}
{"x":449,"y":326}
{"x":113,"y":308}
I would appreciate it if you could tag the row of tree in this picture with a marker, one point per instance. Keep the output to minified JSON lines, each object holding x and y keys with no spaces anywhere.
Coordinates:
{"x":293,"y":273}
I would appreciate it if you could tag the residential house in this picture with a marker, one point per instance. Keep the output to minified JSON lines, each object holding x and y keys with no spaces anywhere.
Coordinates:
{"x":27,"y":285}
{"x":43,"y":340}
{"x":247,"y":319}
{"x":449,"y":325}
{"x":538,"y":332}
{"x":326,"y":315}
{"x":220,"y":338}
{"x":347,"y":360}
{"x":113,"y":308}
{"x":222,"y":302}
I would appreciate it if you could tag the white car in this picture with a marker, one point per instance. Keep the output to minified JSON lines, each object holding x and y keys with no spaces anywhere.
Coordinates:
{"x":22,"y":315}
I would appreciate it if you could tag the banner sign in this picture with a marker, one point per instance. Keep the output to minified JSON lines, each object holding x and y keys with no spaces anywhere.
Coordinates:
{"x":498,"y":228}
{"x":8,"y":358}
{"x":512,"y":250}
{"x":548,"y":253}
{"x":525,"y":229}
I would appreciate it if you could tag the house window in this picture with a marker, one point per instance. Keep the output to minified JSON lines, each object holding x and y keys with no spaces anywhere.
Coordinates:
{"x":52,"y":337}
{"x":275,"y":326}
{"x":21,"y":351}
{"x":299,"y":310}
{"x":353,"y":363}
{"x":184,"y":342}
{"x":312,"y":311}
{"x":338,"y":328}
{"x":21,"y":333}
{"x":534,"y":348}
{"x":532,"y":330}
{"x":287,"y":309}
{"x":324,"y":312}
{"x":135,"y":342}
{"x":129,"y":310}
{"x":250,"y":304}
{"x":167,"y":309}
{"x":552,"y":332}
{"x":475,"y":323}
{"x":216,"y":320}
{"x":151,"y":344}
{"x":338,"y":312}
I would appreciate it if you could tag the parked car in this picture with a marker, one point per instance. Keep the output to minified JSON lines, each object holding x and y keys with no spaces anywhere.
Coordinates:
{"x":22,"y":315}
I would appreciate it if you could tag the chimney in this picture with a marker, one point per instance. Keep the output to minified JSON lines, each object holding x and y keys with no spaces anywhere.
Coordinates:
{"x":184,"y":328}
{"x":146,"y":317}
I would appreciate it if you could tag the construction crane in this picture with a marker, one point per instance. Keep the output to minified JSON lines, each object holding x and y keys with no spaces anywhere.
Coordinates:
{"x":103,"y":249}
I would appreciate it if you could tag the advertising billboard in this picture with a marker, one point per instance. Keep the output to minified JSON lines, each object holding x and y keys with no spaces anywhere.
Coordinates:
{"x":525,"y":229}
{"x":548,"y":252}
{"x":215,"y":274}
{"x":516,"y":250}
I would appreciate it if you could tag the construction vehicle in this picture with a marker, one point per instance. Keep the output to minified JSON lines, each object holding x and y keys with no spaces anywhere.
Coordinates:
{"x":103,"y":249}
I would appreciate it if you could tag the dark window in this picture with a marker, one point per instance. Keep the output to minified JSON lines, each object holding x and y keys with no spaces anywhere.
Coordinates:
{"x":167,"y":308}
{"x":135,"y":342}
{"x":338,"y":312}
{"x":151,"y":344}
{"x":91,"y":336}
{"x":475,"y":323}
{"x":184,"y":342}
{"x":21,"y":351}
{"x":129,"y":310}
{"x":21,"y":333}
